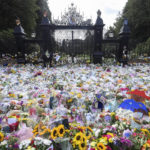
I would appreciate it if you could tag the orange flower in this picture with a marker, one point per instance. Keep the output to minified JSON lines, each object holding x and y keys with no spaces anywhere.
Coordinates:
{"x":116,"y":117}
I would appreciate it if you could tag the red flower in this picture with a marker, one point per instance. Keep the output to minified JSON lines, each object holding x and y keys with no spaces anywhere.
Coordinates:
{"x":108,"y":148}
{"x":101,"y":116}
{"x":148,"y":141}
{"x":14,"y":126}
{"x":32,"y":142}
{"x":73,"y":109}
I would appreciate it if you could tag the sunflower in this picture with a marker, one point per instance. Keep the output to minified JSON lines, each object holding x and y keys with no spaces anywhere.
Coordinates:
{"x":145,"y":131}
{"x":82,"y":146}
{"x":89,"y":129}
{"x":49,"y":130}
{"x":78,"y":138}
{"x":101,"y":146}
{"x":61,"y":130}
{"x":54,"y":133}
{"x":89,"y":133}
{"x":84,"y":138}
{"x":1,"y":136}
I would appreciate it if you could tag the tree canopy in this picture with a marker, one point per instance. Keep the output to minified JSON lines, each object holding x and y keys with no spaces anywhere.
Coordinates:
{"x":29,"y":11}
{"x":138,"y":14}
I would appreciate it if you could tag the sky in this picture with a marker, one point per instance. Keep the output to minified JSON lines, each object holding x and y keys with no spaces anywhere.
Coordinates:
{"x":109,"y":9}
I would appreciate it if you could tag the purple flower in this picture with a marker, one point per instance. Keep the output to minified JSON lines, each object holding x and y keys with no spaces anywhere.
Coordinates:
{"x":21,"y":103}
{"x":1,"y":120}
{"x":16,"y":146}
{"x":125,"y":142}
{"x":117,"y":141}
{"x":127,"y":133}
{"x":107,"y":118}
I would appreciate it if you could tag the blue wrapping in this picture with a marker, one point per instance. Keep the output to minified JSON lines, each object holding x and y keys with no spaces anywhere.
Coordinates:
{"x":132,"y":105}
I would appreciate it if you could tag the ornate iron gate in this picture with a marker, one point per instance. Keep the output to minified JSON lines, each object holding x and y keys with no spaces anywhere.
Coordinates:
{"x":74,"y":44}
{"x":65,"y":39}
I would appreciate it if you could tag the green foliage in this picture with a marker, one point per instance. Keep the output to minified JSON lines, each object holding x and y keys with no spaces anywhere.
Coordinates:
{"x":7,"y":41}
{"x":33,"y":53}
{"x":138,"y":14}
{"x":43,"y":5}
{"x":143,"y":48}
{"x":24,"y":9}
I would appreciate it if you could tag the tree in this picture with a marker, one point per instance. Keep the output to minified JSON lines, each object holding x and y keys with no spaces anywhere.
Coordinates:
{"x":138,"y":14}
{"x":43,"y":5}
{"x":24,"y":9}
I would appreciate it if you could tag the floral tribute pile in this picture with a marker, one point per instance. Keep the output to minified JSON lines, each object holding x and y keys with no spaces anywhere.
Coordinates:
{"x":79,"y":107}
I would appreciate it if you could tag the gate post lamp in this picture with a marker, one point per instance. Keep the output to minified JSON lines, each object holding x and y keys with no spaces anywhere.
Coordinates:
{"x":19,"y":35}
{"x":111,"y":35}
{"x":124,"y":43}
{"x":98,"y":37}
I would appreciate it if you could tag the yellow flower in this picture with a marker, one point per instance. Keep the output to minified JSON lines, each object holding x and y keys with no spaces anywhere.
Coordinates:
{"x":110,"y":140}
{"x":78,"y":138}
{"x":67,"y":131}
{"x":93,"y":144}
{"x":72,"y":93}
{"x":43,"y":96}
{"x":83,"y":106}
{"x":146,"y":145}
{"x":23,"y":119}
{"x":145,"y":131}
{"x":30,"y":148}
{"x":79,"y":95}
{"x":101,"y":146}
{"x":44,"y":127}
{"x":69,"y":100}
{"x":89,"y":133}
{"x":36,"y":133}
{"x":49,"y":130}
{"x":82,"y":146}
{"x":54,"y":133}
{"x":1,"y":136}
{"x":12,"y":95}
{"x":111,"y":134}
{"x":89,"y":128}
{"x":134,"y":130}
{"x":61,"y":130}
{"x":112,"y":113}
{"x":103,"y":140}
{"x":35,"y":128}
{"x":41,"y":133}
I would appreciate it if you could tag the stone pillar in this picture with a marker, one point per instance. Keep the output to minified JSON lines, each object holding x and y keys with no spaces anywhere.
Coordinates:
{"x":123,"y":43}
{"x":20,"y":37}
{"x":98,"y":37}
{"x":46,"y":39}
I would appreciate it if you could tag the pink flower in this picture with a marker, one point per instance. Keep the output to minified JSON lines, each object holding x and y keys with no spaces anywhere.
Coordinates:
{"x":134,"y":134}
{"x":108,"y":136}
{"x":24,"y":133}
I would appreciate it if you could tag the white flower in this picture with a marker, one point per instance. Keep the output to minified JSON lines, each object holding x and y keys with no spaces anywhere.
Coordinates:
{"x":4,"y":142}
{"x":24,"y":144}
{"x":97,"y":132}
{"x":115,"y":125}
{"x":38,"y":141}
{"x":47,"y":142}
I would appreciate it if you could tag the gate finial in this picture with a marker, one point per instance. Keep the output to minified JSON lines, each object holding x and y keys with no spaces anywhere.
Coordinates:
{"x":99,"y":13}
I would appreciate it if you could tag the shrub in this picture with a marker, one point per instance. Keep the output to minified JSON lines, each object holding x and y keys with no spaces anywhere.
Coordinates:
{"x":7,"y":42}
